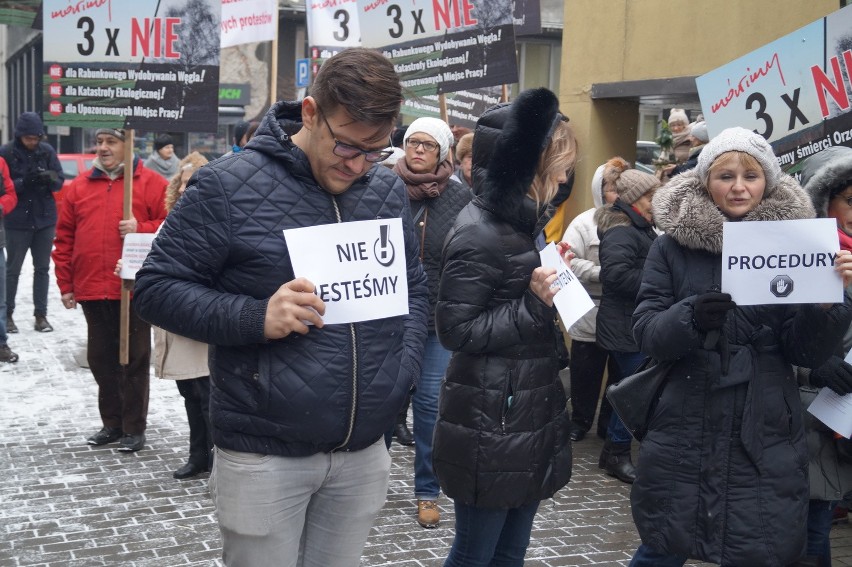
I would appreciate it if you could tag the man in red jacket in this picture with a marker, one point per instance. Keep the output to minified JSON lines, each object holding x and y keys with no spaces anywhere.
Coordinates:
{"x":8,"y":200}
{"x":88,"y":243}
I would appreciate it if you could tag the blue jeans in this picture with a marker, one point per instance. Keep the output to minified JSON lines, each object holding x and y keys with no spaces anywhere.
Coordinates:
{"x":313,"y":511}
{"x":627,"y":362}
{"x":40,"y":243}
{"x":820,"y":514}
{"x":647,"y":557}
{"x":424,"y":405}
{"x":3,"y":337}
{"x":491,"y":537}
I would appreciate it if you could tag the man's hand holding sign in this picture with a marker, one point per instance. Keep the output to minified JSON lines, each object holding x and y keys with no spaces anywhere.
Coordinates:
{"x":292,"y":308}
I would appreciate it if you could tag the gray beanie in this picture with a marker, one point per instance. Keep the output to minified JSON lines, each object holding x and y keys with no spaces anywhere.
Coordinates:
{"x":632,"y":184}
{"x":699,"y":131}
{"x":739,"y":139}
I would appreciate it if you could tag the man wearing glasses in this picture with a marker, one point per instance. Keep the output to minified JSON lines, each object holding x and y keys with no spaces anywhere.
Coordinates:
{"x":298,"y":408}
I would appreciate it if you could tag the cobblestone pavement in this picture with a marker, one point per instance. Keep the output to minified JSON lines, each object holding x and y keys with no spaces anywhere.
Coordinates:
{"x":63,"y":502}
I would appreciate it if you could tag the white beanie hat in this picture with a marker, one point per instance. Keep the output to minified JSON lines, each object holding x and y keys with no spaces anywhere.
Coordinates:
{"x":678,"y":115}
{"x":436,"y":128}
{"x":699,"y":131}
{"x":739,"y":139}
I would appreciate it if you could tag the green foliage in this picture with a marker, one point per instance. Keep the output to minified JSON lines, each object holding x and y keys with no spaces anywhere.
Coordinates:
{"x":665,"y":139}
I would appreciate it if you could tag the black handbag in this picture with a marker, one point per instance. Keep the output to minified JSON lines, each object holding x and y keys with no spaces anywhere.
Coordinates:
{"x":634,"y":398}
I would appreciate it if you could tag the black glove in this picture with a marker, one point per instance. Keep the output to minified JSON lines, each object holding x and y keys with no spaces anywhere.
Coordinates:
{"x":710,"y":309}
{"x":835,"y":374}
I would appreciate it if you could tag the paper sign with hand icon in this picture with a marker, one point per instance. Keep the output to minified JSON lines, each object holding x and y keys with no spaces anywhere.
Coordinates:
{"x":765,"y":262}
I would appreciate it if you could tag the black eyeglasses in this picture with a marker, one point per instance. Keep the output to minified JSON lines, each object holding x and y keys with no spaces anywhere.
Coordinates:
{"x":847,"y":199}
{"x":428,"y":146}
{"x":348,"y":151}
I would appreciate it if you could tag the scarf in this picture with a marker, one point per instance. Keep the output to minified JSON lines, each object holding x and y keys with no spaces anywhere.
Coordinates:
{"x":113,"y":173}
{"x":422,"y":186}
{"x":845,"y":240}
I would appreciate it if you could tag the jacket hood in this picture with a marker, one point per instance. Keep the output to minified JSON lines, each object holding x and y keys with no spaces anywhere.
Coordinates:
{"x":597,"y":186}
{"x":507,"y":145}
{"x":684,"y":210}
{"x":281,"y":113}
{"x":618,"y":214}
{"x":824,"y":171}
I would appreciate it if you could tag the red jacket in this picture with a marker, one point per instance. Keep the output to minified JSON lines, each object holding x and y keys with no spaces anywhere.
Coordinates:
{"x":88,"y":243}
{"x":8,"y":198}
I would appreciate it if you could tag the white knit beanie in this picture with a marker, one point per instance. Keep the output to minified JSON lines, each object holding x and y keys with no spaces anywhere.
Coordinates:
{"x":739,"y":139}
{"x":436,"y":128}
{"x":699,"y":131}
{"x":678,"y":115}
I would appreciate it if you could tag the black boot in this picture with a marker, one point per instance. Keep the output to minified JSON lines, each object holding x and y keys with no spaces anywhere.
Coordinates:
{"x":403,"y":434}
{"x":615,"y":461}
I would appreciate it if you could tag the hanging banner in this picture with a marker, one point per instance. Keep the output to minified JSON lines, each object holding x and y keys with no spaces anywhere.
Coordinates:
{"x":444,"y":45}
{"x":527,"y":17}
{"x":332,"y":27}
{"x":151,"y":64}
{"x":463,"y":107}
{"x":795,"y":91}
{"x":248,"y":21}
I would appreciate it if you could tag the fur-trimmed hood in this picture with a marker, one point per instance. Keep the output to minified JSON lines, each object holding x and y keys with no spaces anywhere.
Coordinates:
{"x":618,"y":214}
{"x":684,"y":210}
{"x":822,"y":172}
{"x":507,"y":145}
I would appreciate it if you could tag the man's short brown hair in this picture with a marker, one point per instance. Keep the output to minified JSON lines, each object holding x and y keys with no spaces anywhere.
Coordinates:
{"x":363,"y":82}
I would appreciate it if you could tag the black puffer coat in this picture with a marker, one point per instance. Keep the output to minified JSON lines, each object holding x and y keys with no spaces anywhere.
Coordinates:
{"x":722,"y":472}
{"x":501,"y":439}
{"x":626,"y":238}
{"x":36,"y":204}
{"x":219,"y":257}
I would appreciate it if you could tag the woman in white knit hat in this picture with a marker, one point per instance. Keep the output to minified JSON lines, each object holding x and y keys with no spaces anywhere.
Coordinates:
{"x":722,"y":471}
{"x":436,"y":200}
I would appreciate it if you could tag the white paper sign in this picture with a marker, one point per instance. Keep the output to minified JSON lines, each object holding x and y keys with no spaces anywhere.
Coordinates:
{"x":781,"y":262}
{"x":834,"y":410}
{"x":134,"y":251}
{"x":571,"y":301}
{"x":358,"y":268}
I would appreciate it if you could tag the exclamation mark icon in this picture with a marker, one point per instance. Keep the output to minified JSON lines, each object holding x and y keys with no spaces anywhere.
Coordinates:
{"x":383,"y":235}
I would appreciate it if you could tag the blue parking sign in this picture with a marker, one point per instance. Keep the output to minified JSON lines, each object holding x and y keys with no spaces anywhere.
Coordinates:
{"x":303,"y":70}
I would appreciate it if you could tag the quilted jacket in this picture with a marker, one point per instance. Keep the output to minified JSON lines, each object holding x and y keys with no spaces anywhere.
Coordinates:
{"x":501,"y":439}
{"x":219,"y":257}
{"x":432,"y":224}
{"x":722,"y":472}
{"x":88,"y":244}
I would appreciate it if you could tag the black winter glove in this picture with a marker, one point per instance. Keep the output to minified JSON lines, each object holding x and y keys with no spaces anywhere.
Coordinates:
{"x":835,"y":374}
{"x":710,"y":309}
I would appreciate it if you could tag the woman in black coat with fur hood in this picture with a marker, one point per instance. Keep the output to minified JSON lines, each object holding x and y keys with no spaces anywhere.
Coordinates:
{"x":722,"y":471}
{"x":502,"y":439}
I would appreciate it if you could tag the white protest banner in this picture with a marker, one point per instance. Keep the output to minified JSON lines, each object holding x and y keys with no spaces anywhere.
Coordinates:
{"x":134,"y":250}
{"x":248,"y":21}
{"x":332,"y":26}
{"x":444,"y":45}
{"x":794,"y":91}
{"x":781,"y":262}
{"x":571,"y":301}
{"x":357,"y":267}
{"x":150,"y":64}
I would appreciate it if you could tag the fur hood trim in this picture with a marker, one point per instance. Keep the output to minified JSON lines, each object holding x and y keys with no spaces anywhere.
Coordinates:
{"x":507,"y":146}
{"x":608,"y":217}
{"x":824,"y":171}
{"x":685,"y":211}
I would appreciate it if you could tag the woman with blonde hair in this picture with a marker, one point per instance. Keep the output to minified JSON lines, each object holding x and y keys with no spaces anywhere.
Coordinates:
{"x":502,"y":439}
